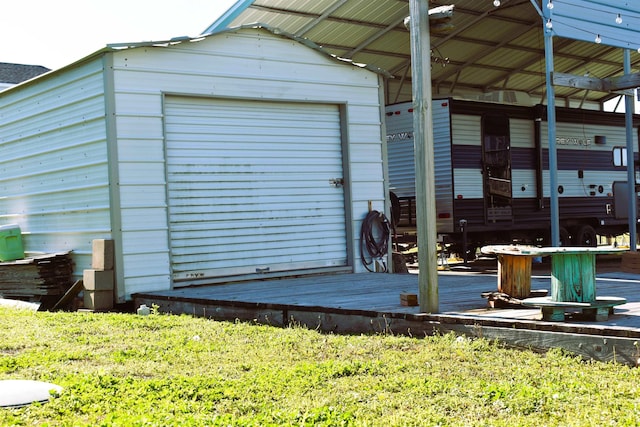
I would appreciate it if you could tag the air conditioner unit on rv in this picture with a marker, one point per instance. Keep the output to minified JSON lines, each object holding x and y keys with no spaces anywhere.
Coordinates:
{"x":501,"y":97}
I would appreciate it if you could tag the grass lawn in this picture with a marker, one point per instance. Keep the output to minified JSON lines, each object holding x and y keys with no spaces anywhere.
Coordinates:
{"x":162,"y":370}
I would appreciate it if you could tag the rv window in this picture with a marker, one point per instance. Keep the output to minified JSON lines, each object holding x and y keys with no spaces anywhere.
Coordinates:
{"x":619,"y":156}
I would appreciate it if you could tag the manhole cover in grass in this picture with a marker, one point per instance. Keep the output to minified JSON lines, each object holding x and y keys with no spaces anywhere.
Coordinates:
{"x":16,"y":393}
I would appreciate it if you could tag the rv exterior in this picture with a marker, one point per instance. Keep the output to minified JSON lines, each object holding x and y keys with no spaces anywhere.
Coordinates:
{"x":492,"y":172}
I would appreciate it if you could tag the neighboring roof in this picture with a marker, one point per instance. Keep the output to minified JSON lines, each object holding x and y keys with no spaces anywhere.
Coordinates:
{"x":489,"y":49}
{"x":17,"y":73}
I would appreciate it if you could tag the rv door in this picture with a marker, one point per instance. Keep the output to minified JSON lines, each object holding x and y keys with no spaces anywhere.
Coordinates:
{"x":496,"y":162}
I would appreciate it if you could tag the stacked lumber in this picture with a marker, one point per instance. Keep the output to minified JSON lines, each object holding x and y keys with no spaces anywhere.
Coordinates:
{"x":37,"y":276}
{"x":631,"y":262}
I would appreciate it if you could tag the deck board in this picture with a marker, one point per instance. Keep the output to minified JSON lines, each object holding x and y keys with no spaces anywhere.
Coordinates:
{"x":458,"y":293}
{"x":370,"y":302}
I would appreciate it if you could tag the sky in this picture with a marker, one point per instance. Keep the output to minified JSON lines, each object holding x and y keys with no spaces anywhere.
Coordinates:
{"x":55,"y":33}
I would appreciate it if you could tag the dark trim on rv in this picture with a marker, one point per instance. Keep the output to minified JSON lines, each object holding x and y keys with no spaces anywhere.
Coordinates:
{"x":539,"y":160}
{"x":476,"y":108}
{"x":563,"y":114}
{"x":469,"y":157}
{"x":575,"y":115}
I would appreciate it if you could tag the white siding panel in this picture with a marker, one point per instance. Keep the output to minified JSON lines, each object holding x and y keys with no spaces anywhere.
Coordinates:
{"x":468,"y":183}
{"x":580,"y":187}
{"x":249,"y":186}
{"x":130,"y":247}
{"x":523,"y":179}
{"x":137,"y":267}
{"x":139,"y":103}
{"x":142,"y":196}
{"x":141,"y":173}
{"x":53,"y":162}
{"x":144,"y":219}
{"x":227,"y":85}
{"x":250,"y":65}
{"x":137,"y":150}
{"x":616,"y":135}
{"x":367,"y":172}
{"x":522,"y":133}
{"x":55,"y":202}
{"x":132,"y":126}
{"x":466,"y":129}
{"x":367,"y":153}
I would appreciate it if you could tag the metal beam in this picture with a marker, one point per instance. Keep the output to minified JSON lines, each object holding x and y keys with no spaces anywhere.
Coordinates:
{"x":227,"y":18}
{"x":553,"y":155}
{"x":373,"y":38}
{"x":302,"y":31}
{"x":631,"y":167}
{"x":482,"y":53}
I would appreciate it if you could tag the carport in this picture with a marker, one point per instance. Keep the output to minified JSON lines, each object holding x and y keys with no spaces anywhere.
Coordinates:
{"x":573,"y":52}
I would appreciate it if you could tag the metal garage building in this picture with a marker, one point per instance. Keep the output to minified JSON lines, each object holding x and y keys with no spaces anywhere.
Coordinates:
{"x":243,"y":153}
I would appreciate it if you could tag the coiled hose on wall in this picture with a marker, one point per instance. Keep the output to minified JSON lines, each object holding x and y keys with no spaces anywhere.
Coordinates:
{"x":374,"y":239}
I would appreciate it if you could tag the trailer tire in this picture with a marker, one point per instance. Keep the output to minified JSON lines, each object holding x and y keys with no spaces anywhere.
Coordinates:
{"x":585,"y":236}
{"x":565,"y":237}
{"x":396,"y":209}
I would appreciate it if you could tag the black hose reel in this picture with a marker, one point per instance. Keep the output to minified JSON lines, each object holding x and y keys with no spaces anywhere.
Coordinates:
{"x":374,"y":240}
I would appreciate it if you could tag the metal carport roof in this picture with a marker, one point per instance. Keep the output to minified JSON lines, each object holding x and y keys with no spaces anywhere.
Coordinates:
{"x":490,"y":49}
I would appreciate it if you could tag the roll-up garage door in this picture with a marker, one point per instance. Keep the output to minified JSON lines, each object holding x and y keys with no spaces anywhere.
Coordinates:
{"x":253,"y":187}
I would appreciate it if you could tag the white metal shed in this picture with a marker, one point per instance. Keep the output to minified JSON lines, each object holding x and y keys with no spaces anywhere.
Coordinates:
{"x":247,"y":152}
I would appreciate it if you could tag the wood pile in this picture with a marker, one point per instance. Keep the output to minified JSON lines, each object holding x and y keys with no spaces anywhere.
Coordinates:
{"x":41,"y":277}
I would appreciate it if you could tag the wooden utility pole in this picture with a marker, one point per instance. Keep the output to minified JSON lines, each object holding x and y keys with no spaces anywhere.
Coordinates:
{"x":423,"y":141}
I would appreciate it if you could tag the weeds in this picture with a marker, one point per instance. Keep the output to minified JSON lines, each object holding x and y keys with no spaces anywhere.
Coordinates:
{"x":161,"y":370}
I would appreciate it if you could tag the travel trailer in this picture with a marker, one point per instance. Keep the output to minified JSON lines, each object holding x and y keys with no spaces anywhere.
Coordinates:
{"x":492,"y":172}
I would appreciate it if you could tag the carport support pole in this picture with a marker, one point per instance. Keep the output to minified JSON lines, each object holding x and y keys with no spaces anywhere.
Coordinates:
{"x":423,"y":147}
{"x":631,"y":167}
{"x":551,"y":121}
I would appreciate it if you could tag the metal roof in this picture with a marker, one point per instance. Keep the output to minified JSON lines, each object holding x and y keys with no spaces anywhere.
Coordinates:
{"x":490,"y":49}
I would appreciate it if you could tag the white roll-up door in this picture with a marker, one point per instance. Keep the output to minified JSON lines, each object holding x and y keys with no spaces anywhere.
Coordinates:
{"x":253,"y":187}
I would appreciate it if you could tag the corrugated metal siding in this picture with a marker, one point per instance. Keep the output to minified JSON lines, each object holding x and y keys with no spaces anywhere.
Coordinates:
{"x":247,"y":64}
{"x":466,"y":129}
{"x":444,"y":184}
{"x":521,"y":133}
{"x":466,"y":133}
{"x":400,"y":149}
{"x":616,"y":135}
{"x":595,"y":160}
{"x":249,"y":182}
{"x":53,"y":162}
{"x":401,"y":155}
{"x":589,"y":193}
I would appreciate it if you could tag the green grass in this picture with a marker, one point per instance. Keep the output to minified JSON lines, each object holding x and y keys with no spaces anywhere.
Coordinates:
{"x":162,"y":370}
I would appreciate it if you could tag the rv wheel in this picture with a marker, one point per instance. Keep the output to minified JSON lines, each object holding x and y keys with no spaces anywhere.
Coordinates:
{"x":396,"y":209}
{"x":585,"y":236}
{"x":565,"y":237}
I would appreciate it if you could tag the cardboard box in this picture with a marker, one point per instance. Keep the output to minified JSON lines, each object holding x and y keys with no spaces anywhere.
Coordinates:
{"x":408,"y":299}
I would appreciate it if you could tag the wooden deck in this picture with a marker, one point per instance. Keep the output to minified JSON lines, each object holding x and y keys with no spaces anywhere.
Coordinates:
{"x":370,"y":303}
